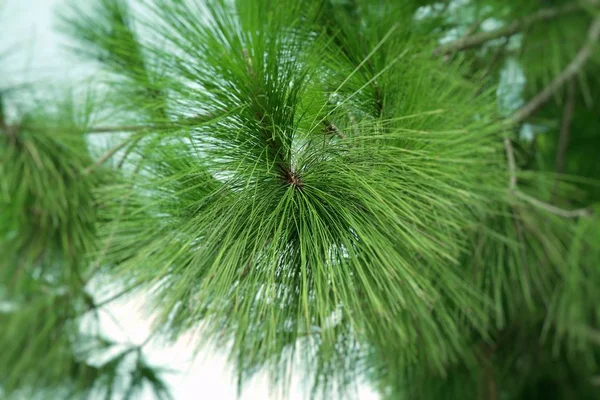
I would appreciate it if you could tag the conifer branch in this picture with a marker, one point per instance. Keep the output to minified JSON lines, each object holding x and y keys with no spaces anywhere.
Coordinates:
{"x":349,"y":247}
{"x":108,"y":155}
{"x":474,"y":27}
{"x":500,"y":51}
{"x":513,"y":188}
{"x":114,"y":297}
{"x":469,"y":41}
{"x":120,"y":129}
{"x":512,"y":166}
{"x":565,"y":130}
{"x":333,"y":129}
{"x":139,"y":129}
{"x":574,"y":67}
{"x":197,"y":119}
{"x":582,"y":212}
{"x":489,"y":381}
{"x":128,"y":151}
{"x":565,"y":133}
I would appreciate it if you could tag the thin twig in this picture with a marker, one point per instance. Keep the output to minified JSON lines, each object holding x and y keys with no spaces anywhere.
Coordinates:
{"x":512,"y":165}
{"x":565,"y":133}
{"x":116,"y":296}
{"x":487,"y":388}
{"x":147,"y":340}
{"x":523,"y":246}
{"x":119,"y":325}
{"x":152,"y":127}
{"x":512,"y":168}
{"x":582,"y":212}
{"x":490,"y":382}
{"x":108,"y":155}
{"x":565,"y":129}
{"x":333,"y":129}
{"x":128,"y":152}
{"x":474,"y":27}
{"x":134,"y":140}
{"x":121,"y":129}
{"x":565,"y":76}
{"x":477,"y":39}
{"x":500,"y":51}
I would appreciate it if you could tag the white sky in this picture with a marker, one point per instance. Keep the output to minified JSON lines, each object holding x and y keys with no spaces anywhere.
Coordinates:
{"x":27,"y":29}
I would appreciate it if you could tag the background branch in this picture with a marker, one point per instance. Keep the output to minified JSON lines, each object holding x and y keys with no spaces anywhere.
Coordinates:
{"x":108,"y":155}
{"x":512,"y":168}
{"x":582,"y":212}
{"x":142,"y":128}
{"x":134,"y":140}
{"x":565,"y":129}
{"x":120,"y":129}
{"x":565,"y":76}
{"x":477,"y":39}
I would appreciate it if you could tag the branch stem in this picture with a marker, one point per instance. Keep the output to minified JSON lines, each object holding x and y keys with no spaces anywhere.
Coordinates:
{"x":120,"y":129}
{"x":333,"y":129}
{"x":116,"y":296}
{"x":513,"y":189}
{"x":134,"y":140}
{"x":470,"y":41}
{"x":582,"y":212}
{"x":149,"y":127}
{"x":108,"y":155}
{"x":565,"y":131}
{"x":512,"y":165}
{"x":574,"y":67}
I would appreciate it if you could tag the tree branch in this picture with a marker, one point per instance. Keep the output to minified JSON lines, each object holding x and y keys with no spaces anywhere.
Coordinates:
{"x":490,"y":382}
{"x":512,"y":165}
{"x":477,"y":39}
{"x":332,"y":128}
{"x":474,"y":27}
{"x":582,"y":212}
{"x":565,"y":133}
{"x":512,"y":168}
{"x":121,"y":129}
{"x":565,"y":129}
{"x":115,"y":297}
{"x":565,"y":76}
{"x":128,"y":151}
{"x":141,"y":128}
{"x":108,"y":155}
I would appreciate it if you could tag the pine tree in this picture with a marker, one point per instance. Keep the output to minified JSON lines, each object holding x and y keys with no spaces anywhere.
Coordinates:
{"x":335,"y":188}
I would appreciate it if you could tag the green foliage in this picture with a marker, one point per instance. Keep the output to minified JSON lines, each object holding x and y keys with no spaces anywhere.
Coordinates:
{"x":321,"y":209}
{"x":305,"y":181}
{"x":47,"y":209}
